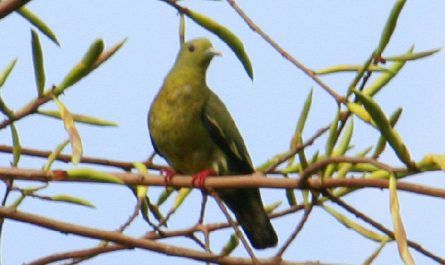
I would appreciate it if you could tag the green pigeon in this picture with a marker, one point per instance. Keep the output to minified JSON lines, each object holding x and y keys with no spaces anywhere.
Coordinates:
{"x":192,"y":129}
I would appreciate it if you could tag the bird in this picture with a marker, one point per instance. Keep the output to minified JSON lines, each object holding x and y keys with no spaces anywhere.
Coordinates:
{"x":191,"y":128}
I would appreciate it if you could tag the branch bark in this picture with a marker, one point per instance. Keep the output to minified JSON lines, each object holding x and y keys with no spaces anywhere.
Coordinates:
{"x":257,"y":179}
{"x":9,"y":6}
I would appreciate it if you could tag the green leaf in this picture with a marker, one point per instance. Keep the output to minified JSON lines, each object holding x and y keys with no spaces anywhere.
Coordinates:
{"x":412,"y":56}
{"x":37,"y":58}
{"x":385,"y":128}
{"x":359,"y":75}
{"x":5,"y":73}
{"x":332,"y":138}
{"x":341,"y":149}
{"x":360,"y":112}
{"x":399,"y":230}
{"x":344,"y":168}
{"x":54,"y":154}
{"x":230,"y":245}
{"x":438,"y":160}
{"x":164,"y":195}
{"x":93,"y":175}
{"x":385,"y":77}
{"x":354,"y":226}
{"x":348,"y":68}
{"x":70,"y":127}
{"x":389,"y":27}
{"x":78,"y":118}
{"x":272,"y":207}
{"x":376,"y":252}
{"x":104,"y":56}
{"x":73,"y":200}
{"x":381,"y":142}
{"x":225,"y":35}
{"x":85,"y":66}
{"x":40,"y":25}
{"x":141,"y":190}
{"x":296,"y":139}
{"x":180,"y":197}
{"x":17,"y":148}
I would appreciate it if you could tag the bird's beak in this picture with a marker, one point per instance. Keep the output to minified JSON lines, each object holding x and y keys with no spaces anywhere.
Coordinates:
{"x":214,"y":52}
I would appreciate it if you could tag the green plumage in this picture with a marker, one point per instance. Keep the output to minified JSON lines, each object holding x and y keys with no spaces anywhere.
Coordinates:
{"x":192,"y":129}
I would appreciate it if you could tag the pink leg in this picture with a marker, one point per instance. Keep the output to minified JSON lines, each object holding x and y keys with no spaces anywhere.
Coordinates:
{"x":198,"y":180}
{"x":168,"y":174}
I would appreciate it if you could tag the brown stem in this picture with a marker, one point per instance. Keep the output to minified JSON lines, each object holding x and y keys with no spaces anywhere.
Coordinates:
{"x":9,"y":6}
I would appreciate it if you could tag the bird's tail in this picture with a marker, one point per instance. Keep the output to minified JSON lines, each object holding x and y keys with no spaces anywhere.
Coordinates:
{"x":248,"y":208}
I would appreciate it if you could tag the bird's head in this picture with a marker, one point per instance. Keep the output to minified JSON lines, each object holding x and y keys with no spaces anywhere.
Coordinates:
{"x":197,"y":53}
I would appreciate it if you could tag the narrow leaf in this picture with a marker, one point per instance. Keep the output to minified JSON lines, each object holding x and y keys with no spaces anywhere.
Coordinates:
{"x":348,"y":68}
{"x":104,"y":56}
{"x":344,"y":168}
{"x":375,"y":254}
{"x":73,"y":200}
{"x":360,"y":112}
{"x":5,"y":73}
{"x":230,"y":245}
{"x":164,"y":195}
{"x":353,"y":225}
{"x":381,"y":142}
{"x":438,"y":160}
{"x":76,"y":142}
{"x":40,"y":25}
{"x":302,"y":121}
{"x":332,"y":138}
{"x":359,"y":75}
{"x":399,"y":230}
{"x":180,"y":197}
{"x":79,"y":118}
{"x":17,"y":148}
{"x":272,"y":207}
{"x":385,"y":128}
{"x":85,"y":66}
{"x":54,"y":154}
{"x":389,"y":27}
{"x":225,"y":35}
{"x":341,"y":148}
{"x":93,"y":175}
{"x":385,"y":77}
{"x":412,"y":56}
{"x":141,"y":190}
{"x":37,"y":58}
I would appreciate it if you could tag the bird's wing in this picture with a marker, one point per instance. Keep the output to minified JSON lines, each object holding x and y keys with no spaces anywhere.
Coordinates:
{"x":223,"y":130}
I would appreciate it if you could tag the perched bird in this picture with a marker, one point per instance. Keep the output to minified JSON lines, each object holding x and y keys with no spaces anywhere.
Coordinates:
{"x":191,"y":128}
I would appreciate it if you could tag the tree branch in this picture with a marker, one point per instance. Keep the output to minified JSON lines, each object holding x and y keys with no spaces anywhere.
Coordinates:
{"x":9,"y":6}
{"x":129,"y":242}
{"x":257,"y":179}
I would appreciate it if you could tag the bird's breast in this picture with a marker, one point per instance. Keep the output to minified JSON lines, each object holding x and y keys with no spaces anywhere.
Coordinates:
{"x":178,"y":131}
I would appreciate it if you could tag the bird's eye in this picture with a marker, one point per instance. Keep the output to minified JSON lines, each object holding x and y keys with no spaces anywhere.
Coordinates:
{"x":191,"y":48}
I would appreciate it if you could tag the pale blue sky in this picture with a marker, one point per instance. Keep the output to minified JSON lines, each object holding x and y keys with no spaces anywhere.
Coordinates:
{"x":318,"y":33}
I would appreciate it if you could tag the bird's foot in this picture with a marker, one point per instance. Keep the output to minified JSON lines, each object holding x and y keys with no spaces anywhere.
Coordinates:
{"x":168,"y":174}
{"x":198,"y":180}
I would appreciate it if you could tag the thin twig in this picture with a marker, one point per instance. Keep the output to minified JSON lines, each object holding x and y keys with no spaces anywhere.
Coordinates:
{"x":317,"y":166}
{"x":379,"y":226}
{"x":297,"y":230}
{"x":94,"y":251}
{"x":85,"y":159}
{"x":297,"y":149}
{"x":339,"y":99}
{"x":128,"y":241}
{"x":235,"y":227}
